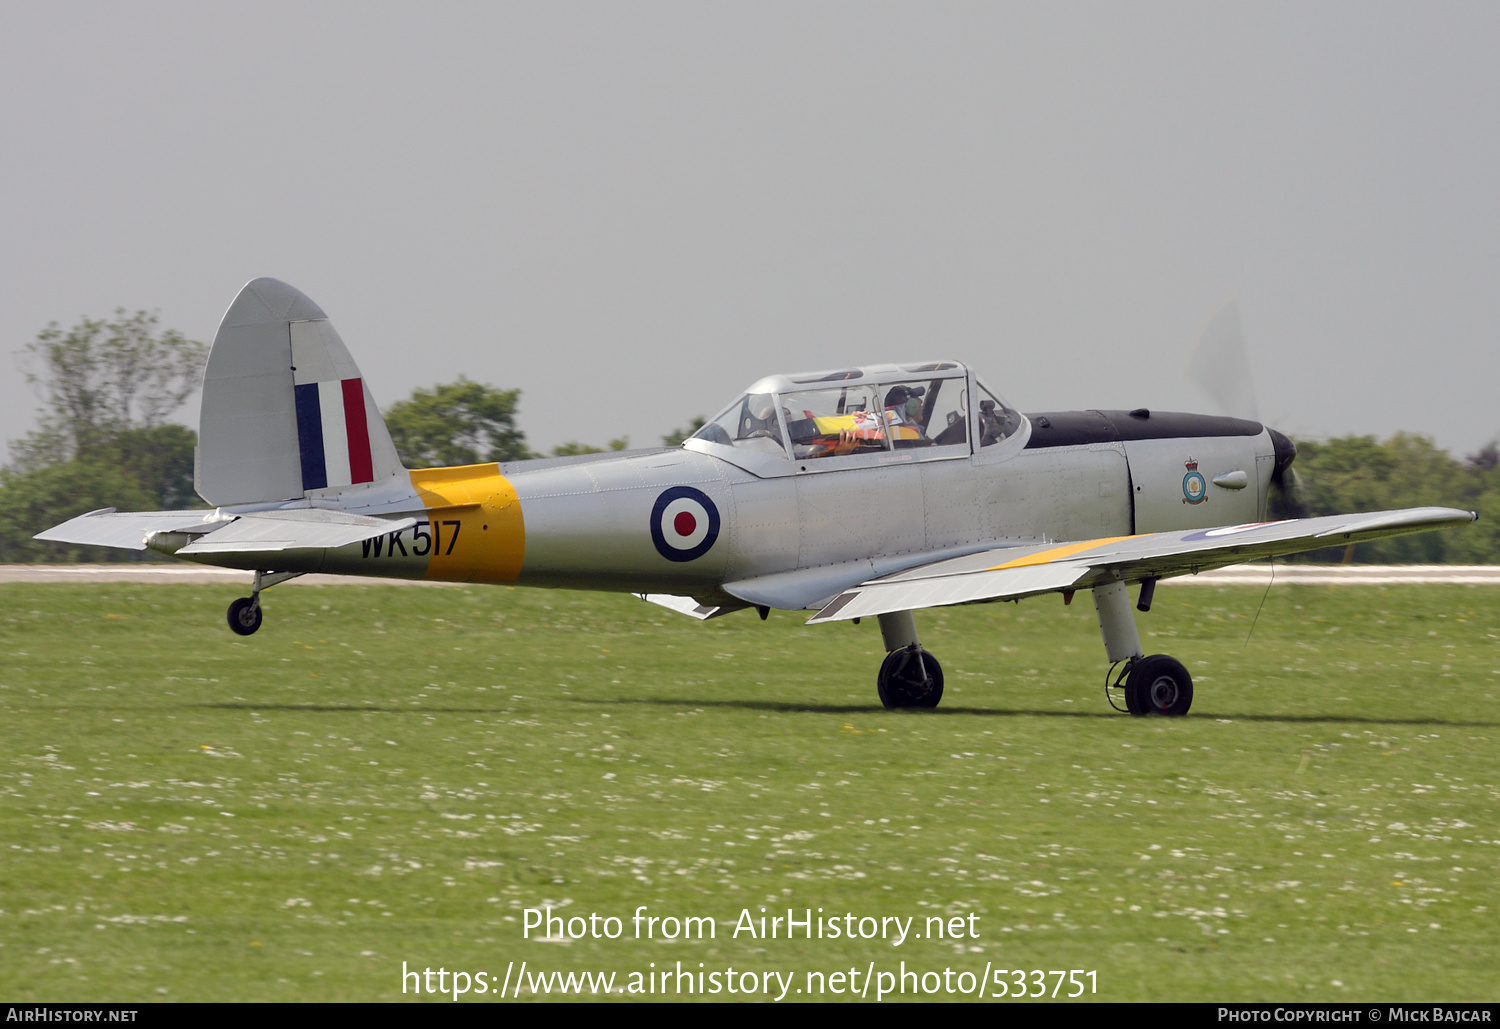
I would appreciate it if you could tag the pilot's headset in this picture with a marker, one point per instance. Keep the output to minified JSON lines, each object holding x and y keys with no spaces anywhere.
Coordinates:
{"x":906,"y":401}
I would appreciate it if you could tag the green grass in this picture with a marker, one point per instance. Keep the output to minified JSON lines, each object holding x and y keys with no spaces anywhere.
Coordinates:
{"x":389,"y":774}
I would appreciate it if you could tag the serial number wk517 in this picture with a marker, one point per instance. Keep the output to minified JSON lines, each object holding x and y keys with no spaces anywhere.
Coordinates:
{"x":422,"y":543}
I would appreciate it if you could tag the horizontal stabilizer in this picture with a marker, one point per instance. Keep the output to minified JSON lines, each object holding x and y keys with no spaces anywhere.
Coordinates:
{"x":127,"y":530}
{"x":1016,"y":572}
{"x":299,"y":529}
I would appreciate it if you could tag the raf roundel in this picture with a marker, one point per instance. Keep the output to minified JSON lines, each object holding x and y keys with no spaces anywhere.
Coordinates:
{"x":684,"y":523}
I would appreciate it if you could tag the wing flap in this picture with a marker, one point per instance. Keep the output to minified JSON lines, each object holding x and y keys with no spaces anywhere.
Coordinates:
{"x":802,"y":587}
{"x":689,"y":606}
{"x":812,"y":588}
{"x":1015,"y":572}
{"x":878,"y":598}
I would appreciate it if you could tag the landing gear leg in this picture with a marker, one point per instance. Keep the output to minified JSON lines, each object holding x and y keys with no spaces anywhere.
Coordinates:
{"x":1121,"y":641}
{"x":909,"y":676}
{"x":244,"y":614}
{"x":1155,"y":685}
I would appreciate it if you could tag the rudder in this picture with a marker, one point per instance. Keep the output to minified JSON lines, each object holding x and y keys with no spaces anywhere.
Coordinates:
{"x":285,"y":409}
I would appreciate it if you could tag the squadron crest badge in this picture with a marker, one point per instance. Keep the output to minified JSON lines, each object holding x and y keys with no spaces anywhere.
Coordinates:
{"x":1194,"y":488}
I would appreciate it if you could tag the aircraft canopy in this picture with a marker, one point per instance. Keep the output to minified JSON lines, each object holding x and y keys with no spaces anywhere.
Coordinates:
{"x":936,"y":406}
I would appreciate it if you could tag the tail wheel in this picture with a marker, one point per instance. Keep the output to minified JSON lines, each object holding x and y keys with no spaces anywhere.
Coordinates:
{"x":1159,"y":685}
{"x":910,"y":677}
{"x":244,"y":615}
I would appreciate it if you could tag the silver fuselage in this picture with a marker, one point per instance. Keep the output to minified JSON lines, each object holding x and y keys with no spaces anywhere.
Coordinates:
{"x":586,"y":523}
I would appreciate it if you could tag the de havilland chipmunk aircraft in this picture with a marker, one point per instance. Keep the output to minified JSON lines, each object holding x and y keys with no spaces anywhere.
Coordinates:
{"x":863,"y":492}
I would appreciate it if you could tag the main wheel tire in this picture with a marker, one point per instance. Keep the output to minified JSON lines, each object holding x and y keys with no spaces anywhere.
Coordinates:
{"x":244,"y":616}
{"x":1132,"y":701}
{"x":910,"y":677}
{"x":1159,"y":685}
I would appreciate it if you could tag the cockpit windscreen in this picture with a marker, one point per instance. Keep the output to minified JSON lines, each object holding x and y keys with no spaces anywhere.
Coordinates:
{"x":749,"y":423}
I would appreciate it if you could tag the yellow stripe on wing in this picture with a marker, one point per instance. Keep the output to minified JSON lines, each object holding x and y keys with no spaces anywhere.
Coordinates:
{"x":1058,"y":553}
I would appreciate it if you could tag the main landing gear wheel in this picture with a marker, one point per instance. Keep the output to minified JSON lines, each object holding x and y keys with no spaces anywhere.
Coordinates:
{"x":1159,"y":685}
{"x":910,"y":677}
{"x":244,"y":615}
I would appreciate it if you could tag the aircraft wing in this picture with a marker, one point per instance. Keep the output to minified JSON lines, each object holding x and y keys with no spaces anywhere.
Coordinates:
{"x":217,"y":532}
{"x":1015,"y":572}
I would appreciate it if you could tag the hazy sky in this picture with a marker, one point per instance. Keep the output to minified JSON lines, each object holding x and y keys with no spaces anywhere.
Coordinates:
{"x":632,"y":210}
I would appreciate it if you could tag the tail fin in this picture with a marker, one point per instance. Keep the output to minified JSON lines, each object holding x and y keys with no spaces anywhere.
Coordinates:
{"x":285,"y":410}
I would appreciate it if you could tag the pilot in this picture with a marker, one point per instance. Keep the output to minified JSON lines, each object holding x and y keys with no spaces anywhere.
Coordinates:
{"x":903,"y":408}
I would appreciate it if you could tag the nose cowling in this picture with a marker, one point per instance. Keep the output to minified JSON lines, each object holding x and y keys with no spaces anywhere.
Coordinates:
{"x":1284,"y":499}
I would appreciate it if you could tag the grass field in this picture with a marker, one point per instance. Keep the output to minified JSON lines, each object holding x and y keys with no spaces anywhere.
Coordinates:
{"x":389,"y":774}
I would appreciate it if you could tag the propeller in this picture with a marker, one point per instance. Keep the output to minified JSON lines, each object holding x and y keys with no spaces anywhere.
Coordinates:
{"x":1220,"y":365}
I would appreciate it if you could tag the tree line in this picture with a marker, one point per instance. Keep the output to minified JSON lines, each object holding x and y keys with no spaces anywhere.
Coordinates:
{"x":108,"y":388}
{"x":1362,"y":473}
{"x":103,"y":438}
{"x":468,"y":422}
